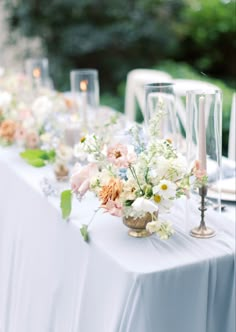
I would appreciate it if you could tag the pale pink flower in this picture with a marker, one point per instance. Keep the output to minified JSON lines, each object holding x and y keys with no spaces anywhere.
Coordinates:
{"x":81,"y":176}
{"x":31,"y":139}
{"x":24,"y":114}
{"x":121,"y":155}
{"x":197,"y":171}
{"x":20,"y":134}
{"x":113,"y":207}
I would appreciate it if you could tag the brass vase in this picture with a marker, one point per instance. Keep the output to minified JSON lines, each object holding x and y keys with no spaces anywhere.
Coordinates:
{"x":137,"y":226}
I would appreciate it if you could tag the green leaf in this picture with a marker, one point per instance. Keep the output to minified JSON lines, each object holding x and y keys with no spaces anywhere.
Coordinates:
{"x":66,"y":199}
{"x":30,"y":154}
{"x":38,"y":158}
{"x":84,"y":232}
{"x":36,"y":162}
{"x":51,"y":155}
{"x":129,"y":202}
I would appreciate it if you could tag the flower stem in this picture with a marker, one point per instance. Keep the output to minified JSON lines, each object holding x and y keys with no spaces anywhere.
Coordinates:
{"x":95,"y":212}
{"x":136,"y":178}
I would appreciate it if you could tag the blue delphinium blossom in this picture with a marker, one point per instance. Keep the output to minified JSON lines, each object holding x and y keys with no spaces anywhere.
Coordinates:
{"x":123,"y":174}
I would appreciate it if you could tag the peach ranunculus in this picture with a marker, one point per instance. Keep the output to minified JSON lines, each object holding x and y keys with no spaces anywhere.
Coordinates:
{"x":121,"y":155}
{"x":81,"y":176}
{"x":7,"y":130}
{"x":32,"y":139}
{"x":111,"y":191}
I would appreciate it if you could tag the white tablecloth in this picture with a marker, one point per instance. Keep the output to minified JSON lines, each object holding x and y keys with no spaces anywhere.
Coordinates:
{"x":52,"y":281}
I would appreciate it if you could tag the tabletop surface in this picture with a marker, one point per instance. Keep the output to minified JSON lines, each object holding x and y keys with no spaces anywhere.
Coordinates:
{"x":110,"y":235}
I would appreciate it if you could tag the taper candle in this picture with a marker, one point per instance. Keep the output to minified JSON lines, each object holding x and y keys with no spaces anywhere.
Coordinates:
{"x":202,"y":134}
{"x":83,"y":87}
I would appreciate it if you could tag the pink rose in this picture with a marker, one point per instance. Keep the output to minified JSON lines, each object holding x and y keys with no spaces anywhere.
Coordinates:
{"x":20,"y":134}
{"x":113,"y":207}
{"x":32,"y":140}
{"x":121,"y":155}
{"x":81,"y":176}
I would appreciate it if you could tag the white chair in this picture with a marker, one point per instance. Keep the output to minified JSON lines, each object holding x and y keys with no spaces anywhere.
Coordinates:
{"x":232,"y":128}
{"x":136,"y":79}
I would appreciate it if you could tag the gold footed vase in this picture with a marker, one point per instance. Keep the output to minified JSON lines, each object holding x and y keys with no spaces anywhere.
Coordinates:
{"x":137,"y":226}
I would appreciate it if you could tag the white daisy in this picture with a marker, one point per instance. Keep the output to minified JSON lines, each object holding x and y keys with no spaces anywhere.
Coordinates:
{"x":166,"y":189}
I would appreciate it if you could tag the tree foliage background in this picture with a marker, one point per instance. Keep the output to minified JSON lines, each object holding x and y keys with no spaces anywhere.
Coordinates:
{"x":116,"y":36}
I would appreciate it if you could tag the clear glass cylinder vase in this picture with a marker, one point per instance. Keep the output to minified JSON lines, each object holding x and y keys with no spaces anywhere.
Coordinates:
{"x":85,"y":94}
{"x":204,"y":142}
{"x":37,"y":69}
{"x":160,"y":114}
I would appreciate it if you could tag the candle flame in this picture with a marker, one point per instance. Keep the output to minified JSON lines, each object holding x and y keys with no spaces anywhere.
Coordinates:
{"x":36,"y":72}
{"x":83,"y":85}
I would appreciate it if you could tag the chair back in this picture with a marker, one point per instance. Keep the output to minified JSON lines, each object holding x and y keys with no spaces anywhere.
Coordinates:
{"x":136,"y":79}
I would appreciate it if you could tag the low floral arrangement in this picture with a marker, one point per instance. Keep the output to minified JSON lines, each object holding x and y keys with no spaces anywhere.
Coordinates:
{"x":26,"y":113}
{"x":129,"y":180}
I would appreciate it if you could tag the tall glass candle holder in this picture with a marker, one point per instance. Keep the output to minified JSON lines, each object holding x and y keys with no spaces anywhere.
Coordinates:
{"x":85,"y":92}
{"x":204,"y":150}
{"x":160,"y":109}
{"x":37,"y":71}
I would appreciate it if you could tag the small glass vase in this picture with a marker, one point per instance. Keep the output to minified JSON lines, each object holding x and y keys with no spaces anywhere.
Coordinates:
{"x":204,"y":148}
{"x":160,"y":113}
{"x":85,"y":93}
{"x":137,"y":226}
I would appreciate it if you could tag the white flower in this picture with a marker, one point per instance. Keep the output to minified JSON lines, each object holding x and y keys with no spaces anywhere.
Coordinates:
{"x":5,"y":99}
{"x":64,"y":153}
{"x":165,"y":188}
{"x":101,"y":178}
{"x":79,"y":152}
{"x":153,"y":226}
{"x":160,"y":167}
{"x":129,"y":189}
{"x":143,"y":204}
{"x":179,"y":164}
{"x":41,"y":109}
{"x":163,"y":229}
{"x":46,"y":138}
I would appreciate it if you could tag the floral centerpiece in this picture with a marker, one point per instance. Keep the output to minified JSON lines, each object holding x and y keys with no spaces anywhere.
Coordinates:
{"x":130,"y":180}
{"x":25,"y":113}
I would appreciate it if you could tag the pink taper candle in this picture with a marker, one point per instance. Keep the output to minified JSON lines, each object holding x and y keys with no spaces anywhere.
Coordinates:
{"x":202,"y":134}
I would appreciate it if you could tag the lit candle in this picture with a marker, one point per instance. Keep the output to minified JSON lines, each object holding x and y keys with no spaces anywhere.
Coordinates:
{"x":202,"y":134}
{"x":37,"y":73}
{"x":83,"y":88}
{"x":37,"y":76}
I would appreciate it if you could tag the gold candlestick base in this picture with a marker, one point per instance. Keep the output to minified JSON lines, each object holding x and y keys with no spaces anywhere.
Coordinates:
{"x":202,"y":232}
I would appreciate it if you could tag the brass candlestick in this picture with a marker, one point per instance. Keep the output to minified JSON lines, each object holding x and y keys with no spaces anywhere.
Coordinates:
{"x":202,"y":231}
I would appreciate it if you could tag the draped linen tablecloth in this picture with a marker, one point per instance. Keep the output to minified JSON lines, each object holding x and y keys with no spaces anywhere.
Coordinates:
{"x":52,"y":281}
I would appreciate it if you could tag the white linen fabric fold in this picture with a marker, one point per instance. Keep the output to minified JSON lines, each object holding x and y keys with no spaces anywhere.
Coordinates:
{"x":52,"y":281}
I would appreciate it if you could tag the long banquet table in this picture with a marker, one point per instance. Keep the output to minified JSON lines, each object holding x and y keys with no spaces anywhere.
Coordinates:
{"x":52,"y":281}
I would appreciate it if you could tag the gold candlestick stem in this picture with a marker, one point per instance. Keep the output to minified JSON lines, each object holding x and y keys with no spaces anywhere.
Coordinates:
{"x":202,"y":231}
